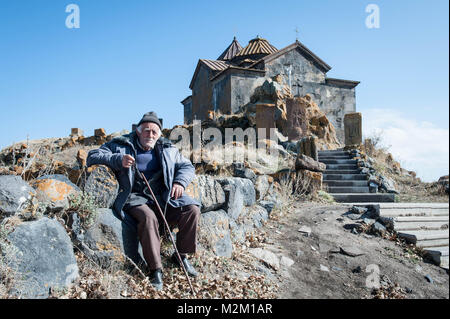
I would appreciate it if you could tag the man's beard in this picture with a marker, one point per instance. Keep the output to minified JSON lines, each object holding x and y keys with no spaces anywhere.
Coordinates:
{"x":149,"y":142}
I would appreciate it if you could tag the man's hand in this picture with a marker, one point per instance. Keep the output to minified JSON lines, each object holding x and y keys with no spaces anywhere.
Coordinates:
{"x":177,"y":191}
{"x":127,"y":161}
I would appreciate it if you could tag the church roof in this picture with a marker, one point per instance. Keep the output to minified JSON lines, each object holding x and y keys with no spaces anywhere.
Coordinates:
{"x":231,"y":51}
{"x":303,"y":50}
{"x":257,"y":46}
{"x":214,"y":65}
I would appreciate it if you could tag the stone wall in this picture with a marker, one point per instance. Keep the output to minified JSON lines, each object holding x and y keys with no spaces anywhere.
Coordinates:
{"x":334,"y":101}
{"x":242,"y":88}
{"x":202,"y":94}
{"x":188,"y":111}
{"x":222,"y":95}
{"x":302,"y":69}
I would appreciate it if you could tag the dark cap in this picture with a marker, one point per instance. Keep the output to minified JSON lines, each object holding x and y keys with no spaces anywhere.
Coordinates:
{"x":150,"y":117}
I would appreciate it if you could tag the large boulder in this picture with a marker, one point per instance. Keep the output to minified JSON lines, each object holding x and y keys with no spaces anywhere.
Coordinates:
{"x":44,"y":258}
{"x":55,"y":190}
{"x":102,"y":184}
{"x":207,"y":191}
{"x":108,"y":239}
{"x":15,"y":194}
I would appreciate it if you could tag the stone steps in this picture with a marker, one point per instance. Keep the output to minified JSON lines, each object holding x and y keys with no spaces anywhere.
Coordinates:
{"x":329,"y":183}
{"x":347,"y":189}
{"x":421,"y":219}
{"x":344,"y":181}
{"x":414,"y":212}
{"x":341,"y":166}
{"x":422,"y":224}
{"x":347,"y":177}
{"x":337,"y":157}
{"x":423,"y":236}
{"x":428,"y":225}
{"x":363,"y":198}
{"x":414,"y":205}
{"x":353,"y":171}
{"x":334,"y":152}
{"x":338,"y":161}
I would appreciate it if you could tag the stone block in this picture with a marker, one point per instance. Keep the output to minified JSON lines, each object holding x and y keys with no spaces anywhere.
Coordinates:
{"x":297,"y":122}
{"x":76,"y":132}
{"x":353,"y":129}
{"x":207,"y":191}
{"x":308,"y":163}
{"x":265,"y":117}
{"x":308,"y":146}
{"x":100,"y":132}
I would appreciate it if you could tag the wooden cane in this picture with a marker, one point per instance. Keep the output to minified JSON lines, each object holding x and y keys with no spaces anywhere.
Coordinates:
{"x":168,"y":229}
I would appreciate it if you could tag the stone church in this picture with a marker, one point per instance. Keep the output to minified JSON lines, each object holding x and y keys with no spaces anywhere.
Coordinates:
{"x":225,"y":85}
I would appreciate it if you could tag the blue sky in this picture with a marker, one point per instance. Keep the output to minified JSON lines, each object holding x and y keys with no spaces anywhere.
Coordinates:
{"x":129,"y":57}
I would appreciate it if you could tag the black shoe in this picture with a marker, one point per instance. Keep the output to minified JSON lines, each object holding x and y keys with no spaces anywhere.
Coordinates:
{"x":189,"y":268}
{"x":156,"y":279}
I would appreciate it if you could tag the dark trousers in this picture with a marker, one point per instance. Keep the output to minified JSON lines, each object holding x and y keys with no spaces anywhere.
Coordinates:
{"x":148,"y":219}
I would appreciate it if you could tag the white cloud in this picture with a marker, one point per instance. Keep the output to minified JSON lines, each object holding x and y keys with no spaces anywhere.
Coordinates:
{"x":418,"y":145}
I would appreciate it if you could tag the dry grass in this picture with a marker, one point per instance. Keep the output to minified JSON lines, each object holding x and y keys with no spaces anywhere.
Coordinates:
{"x":410,"y":187}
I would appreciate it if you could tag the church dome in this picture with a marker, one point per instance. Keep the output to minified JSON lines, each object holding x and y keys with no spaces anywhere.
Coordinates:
{"x":257,"y":46}
{"x":231,"y":51}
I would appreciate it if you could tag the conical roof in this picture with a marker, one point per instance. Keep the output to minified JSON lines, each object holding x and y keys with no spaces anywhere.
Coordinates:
{"x":257,"y":46}
{"x":231,"y":51}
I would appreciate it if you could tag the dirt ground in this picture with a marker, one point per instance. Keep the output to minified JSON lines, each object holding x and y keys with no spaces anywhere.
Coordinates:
{"x":401,"y":273}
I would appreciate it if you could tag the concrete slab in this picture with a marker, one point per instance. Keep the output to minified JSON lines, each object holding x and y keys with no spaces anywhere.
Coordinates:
{"x":413,"y":212}
{"x":363,"y":198}
{"x":406,"y":225}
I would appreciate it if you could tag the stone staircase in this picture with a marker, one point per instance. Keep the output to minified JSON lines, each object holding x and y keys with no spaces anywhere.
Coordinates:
{"x":344,"y":181}
{"x":422,"y":224}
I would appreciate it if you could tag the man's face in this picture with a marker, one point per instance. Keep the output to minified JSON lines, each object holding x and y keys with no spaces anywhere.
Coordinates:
{"x":149,"y":134}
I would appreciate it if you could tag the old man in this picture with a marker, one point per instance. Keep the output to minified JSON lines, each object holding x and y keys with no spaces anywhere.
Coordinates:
{"x":168,"y":173}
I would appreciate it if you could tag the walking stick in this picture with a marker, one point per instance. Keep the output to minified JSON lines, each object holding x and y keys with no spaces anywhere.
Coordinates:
{"x":168,"y":229}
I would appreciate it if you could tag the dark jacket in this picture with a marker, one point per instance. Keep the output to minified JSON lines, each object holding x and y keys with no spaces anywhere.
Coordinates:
{"x":176,"y":168}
